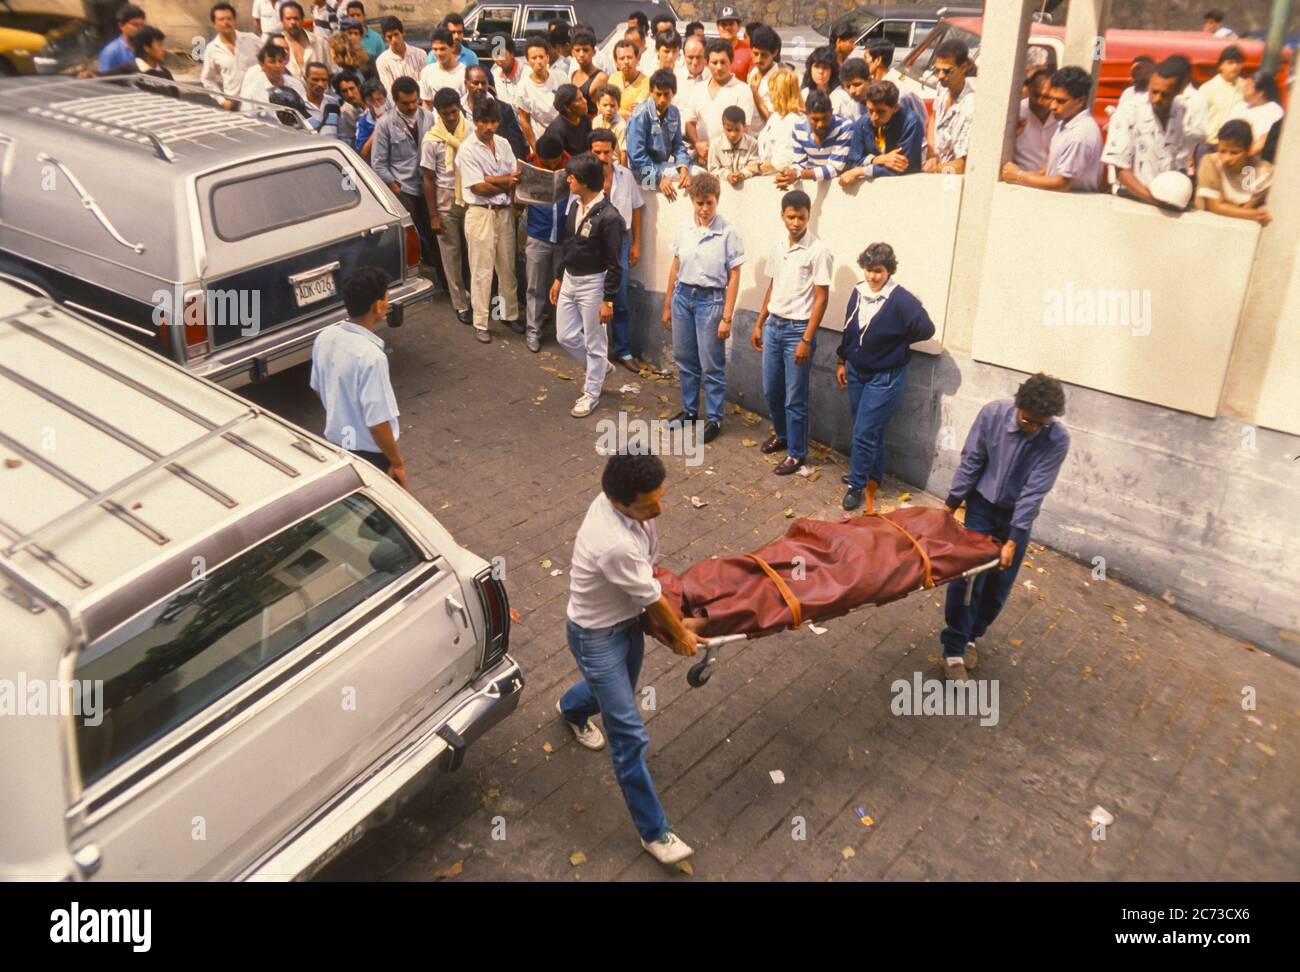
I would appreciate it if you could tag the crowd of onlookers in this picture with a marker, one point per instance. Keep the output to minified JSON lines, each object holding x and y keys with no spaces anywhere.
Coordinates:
{"x":680,"y":104}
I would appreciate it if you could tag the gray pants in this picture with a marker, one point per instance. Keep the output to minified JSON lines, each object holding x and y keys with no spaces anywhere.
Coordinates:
{"x":579,"y":329}
{"x":540,"y":259}
{"x":451,"y":248}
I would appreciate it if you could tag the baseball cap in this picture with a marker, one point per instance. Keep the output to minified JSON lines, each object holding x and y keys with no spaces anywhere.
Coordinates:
{"x":728,"y":13}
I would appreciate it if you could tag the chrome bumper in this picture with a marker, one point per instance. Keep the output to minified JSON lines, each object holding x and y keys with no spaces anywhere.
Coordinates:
{"x":485,"y":702}
{"x":257,"y":360}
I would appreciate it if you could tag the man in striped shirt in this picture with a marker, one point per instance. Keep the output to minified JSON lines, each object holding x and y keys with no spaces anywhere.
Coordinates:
{"x":822,"y":144}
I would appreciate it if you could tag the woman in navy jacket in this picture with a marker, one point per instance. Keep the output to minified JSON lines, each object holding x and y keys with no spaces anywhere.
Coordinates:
{"x":881,"y":321}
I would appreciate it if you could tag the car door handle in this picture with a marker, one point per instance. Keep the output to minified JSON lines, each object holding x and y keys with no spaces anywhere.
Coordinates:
{"x":454,"y":606}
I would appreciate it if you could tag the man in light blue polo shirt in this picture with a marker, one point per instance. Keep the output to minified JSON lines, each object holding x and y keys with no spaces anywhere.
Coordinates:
{"x":349,"y":371}
{"x":117,"y":52}
{"x":703,"y":281}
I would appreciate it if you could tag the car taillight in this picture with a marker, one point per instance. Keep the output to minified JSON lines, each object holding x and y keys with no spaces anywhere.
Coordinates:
{"x":412,"y":248}
{"x":496,"y":613}
{"x":195,"y":324}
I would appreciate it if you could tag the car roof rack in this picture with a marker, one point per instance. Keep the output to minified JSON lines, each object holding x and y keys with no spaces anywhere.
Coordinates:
{"x":103,"y":498}
{"x":148,"y":114}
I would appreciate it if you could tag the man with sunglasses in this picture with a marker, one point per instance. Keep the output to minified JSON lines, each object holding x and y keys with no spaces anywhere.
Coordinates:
{"x":1009,"y":463}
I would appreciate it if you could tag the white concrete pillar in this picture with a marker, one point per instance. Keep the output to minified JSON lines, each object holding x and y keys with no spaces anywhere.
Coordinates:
{"x":1276,"y":260}
{"x":1085,"y":31}
{"x":993,"y":131}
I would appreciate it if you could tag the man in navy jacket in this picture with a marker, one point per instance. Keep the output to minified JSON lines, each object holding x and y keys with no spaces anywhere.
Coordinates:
{"x":888,"y":140}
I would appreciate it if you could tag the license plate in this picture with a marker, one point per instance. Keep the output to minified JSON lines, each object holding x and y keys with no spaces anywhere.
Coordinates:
{"x":314,"y":289}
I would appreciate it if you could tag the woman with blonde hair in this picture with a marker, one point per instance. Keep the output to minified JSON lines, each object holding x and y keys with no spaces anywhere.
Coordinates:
{"x":348,"y":54}
{"x":776,"y":140}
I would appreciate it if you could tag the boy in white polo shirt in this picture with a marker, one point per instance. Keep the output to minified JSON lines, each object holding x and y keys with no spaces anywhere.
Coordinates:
{"x":800,"y":269}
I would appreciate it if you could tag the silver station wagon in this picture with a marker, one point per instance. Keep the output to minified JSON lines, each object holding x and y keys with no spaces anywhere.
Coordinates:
{"x":215,"y":238}
{"x":229,"y":648}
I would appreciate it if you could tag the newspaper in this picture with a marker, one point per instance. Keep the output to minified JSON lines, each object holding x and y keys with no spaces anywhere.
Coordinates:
{"x":539,"y":186}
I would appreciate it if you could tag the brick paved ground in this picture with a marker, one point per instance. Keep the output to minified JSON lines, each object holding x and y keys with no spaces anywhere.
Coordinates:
{"x":1106,"y":697}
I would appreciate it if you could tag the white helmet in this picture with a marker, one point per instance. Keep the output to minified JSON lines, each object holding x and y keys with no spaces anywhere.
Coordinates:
{"x":1172,"y":189}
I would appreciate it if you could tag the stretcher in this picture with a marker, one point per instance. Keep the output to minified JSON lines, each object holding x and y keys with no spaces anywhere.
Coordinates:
{"x":822,"y":570}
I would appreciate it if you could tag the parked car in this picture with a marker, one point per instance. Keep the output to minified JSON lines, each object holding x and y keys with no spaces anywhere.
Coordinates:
{"x":905,"y":26}
{"x":258,"y":646}
{"x":484,"y":18}
{"x":40,"y":41}
{"x":1118,"y":51}
{"x":215,"y":238}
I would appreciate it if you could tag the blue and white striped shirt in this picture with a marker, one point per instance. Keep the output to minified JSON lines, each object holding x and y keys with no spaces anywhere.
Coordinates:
{"x":828,"y":159}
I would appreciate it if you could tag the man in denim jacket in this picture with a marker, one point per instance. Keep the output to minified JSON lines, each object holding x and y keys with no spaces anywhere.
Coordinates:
{"x":655,"y":146}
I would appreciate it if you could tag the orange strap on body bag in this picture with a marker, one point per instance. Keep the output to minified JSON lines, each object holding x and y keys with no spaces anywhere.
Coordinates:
{"x":925,"y":558}
{"x":792,"y":602}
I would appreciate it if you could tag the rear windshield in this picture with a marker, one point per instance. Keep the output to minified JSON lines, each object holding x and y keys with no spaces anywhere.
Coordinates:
{"x":256,"y":204}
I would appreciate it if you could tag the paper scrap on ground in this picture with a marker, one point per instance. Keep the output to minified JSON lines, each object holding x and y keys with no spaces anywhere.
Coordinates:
{"x":698,"y":503}
{"x":1100,"y":815}
{"x":777,"y":776}
{"x":815,"y":629}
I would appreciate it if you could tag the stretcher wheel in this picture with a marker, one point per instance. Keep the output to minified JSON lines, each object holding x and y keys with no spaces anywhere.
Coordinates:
{"x":698,"y":674}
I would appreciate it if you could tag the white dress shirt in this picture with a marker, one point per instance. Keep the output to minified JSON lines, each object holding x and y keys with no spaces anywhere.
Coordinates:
{"x":611,"y":576}
{"x":475,"y":160}
{"x":1035,"y":140}
{"x":223,"y":69}
{"x":257,"y":86}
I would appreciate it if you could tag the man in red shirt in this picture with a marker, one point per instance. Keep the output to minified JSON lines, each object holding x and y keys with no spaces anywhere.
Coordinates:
{"x":729,"y":30}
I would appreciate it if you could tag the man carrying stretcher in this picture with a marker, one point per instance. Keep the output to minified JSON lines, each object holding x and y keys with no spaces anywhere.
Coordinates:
{"x":1009,"y":463}
{"x":611,"y":583}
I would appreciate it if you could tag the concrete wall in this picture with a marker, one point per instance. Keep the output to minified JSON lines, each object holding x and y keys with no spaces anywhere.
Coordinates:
{"x":1190,"y":507}
{"x":1107,"y":304}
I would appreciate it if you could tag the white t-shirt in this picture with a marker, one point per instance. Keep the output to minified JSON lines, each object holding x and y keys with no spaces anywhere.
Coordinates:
{"x":433,"y":79}
{"x":538,"y":100}
{"x":265,"y":14}
{"x":706,"y":108}
{"x":1260,"y":119}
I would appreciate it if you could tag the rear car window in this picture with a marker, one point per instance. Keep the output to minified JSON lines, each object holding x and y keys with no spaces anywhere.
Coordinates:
{"x":259,"y":203}
{"x":186,"y":652}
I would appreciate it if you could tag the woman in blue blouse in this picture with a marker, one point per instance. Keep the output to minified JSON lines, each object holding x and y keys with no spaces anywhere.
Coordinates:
{"x":880,"y":323}
{"x":703,"y":282}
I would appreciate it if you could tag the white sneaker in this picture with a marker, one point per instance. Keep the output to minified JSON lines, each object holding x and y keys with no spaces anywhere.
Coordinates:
{"x":583,"y":406}
{"x":589,"y":735}
{"x":668,"y":849}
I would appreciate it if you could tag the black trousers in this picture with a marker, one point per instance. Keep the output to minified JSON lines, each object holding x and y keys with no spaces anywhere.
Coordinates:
{"x":376,"y":459}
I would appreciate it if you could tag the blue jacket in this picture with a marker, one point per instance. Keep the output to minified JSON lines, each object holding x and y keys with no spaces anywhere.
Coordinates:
{"x":547,"y":222}
{"x":901,"y":321}
{"x":654,"y":147}
{"x":904,"y":131}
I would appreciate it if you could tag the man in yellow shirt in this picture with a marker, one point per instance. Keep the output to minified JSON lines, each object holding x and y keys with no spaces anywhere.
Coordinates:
{"x":1222,"y":91}
{"x":631,"y":80}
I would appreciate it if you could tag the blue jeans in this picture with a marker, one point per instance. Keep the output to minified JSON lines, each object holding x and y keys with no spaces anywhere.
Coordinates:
{"x":969,"y":622}
{"x":620,"y":329}
{"x":785,"y":384}
{"x":610,"y":662}
{"x":874,"y":397}
{"x":697,"y":350}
